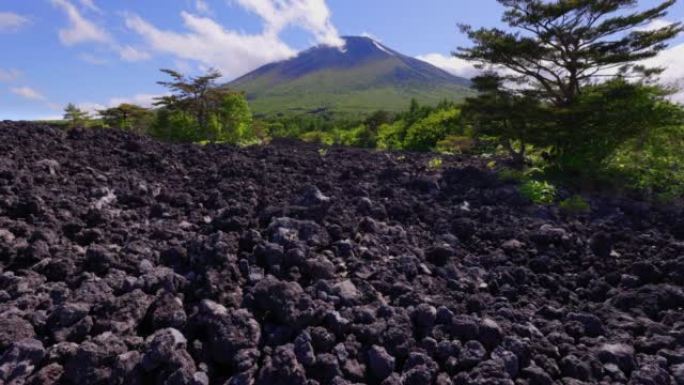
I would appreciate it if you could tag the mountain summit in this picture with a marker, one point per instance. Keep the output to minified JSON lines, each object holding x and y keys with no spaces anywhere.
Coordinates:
{"x":362,"y":76}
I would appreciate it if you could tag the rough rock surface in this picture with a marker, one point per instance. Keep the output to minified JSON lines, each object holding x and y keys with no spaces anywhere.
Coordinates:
{"x":127,"y":261}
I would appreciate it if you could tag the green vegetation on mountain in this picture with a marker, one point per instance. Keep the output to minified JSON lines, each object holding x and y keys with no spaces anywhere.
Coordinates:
{"x":360,"y":78}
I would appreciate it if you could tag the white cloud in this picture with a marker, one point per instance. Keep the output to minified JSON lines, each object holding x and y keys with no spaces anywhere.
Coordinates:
{"x":92,"y":59}
{"x":90,"y":4}
{"x":371,"y":36}
{"x":28,"y":93}
{"x":672,"y":59}
{"x":312,"y":15}
{"x":451,"y":64}
{"x":9,"y":75}
{"x":654,"y":25}
{"x":209,"y":43}
{"x":132,"y":54}
{"x":12,"y":22}
{"x":201,"y":6}
{"x":142,"y":100}
{"x":80,"y":30}
{"x":233,"y":52}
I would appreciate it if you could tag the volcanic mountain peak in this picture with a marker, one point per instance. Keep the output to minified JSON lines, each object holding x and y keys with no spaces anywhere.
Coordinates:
{"x":361,"y":76}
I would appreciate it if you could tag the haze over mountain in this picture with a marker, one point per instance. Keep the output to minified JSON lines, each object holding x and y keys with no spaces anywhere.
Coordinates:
{"x":362,"y":76}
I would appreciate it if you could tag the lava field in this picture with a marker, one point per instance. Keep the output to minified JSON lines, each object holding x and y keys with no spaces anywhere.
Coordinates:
{"x":128,"y":261}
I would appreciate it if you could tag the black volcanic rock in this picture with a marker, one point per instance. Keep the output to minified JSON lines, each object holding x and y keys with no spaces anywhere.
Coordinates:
{"x":153,"y":291}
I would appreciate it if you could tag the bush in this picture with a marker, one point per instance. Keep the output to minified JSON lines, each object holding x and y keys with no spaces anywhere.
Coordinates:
{"x":456,"y":144}
{"x":318,"y":137}
{"x":574,"y":205}
{"x":539,"y":192}
{"x":424,"y":134}
{"x":435,"y":163}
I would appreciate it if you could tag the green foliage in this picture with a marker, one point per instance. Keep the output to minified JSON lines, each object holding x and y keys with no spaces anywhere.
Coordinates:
{"x":74,"y":116}
{"x":424,"y":134}
{"x":198,"y":111}
{"x":653,"y":164}
{"x":234,"y":119}
{"x":575,"y":205}
{"x":318,"y":137}
{"x":176,"y":126}
{"x":128,"y":117}
{"x":455,"y":144}
{"x":604,"y":118}
{"x":511,"y":175}
{"x":435,"y":163}
{"x":556,"y":48}
{"x":539,"y":192}
{"x":391,"y":136}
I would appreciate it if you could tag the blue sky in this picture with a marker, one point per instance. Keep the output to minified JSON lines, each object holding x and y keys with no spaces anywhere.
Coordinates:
{"x":98,"y":53}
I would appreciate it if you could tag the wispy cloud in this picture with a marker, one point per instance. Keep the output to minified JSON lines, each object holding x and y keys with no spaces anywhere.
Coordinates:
{"x":92,"y":59}
{"x":90,"y":4}
{"x":451,"y":64}
{"x":9,"y":75}
{"x":132,"y":54}
{"x":201,"y":6}
{"x":28,"y":93}
{"x":11,"y":22}
{"x":80,"y":30}
{"x":234,"y":52}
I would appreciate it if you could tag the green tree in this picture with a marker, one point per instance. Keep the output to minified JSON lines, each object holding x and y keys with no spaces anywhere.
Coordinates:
{"x":128,"y":117}
{"x":74,"y":116}
{"x":517,"y":118}
{"x":424,"y":134}
{"x":235,"y":118}
{"x":197,"y":96}
{"x":556,"y":50}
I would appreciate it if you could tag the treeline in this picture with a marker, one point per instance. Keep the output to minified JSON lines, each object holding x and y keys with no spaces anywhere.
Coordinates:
{"x":196,"y":110}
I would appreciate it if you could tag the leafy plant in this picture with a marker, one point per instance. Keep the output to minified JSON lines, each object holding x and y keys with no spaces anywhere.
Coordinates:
{"x":435,"y":163}
{"x":574,"y":205}
{"x":539,"y":192}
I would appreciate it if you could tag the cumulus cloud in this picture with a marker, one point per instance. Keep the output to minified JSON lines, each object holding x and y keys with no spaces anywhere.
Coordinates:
{"x":9,"y":75}
{"x":234,"y":52}
{"x":453,"y":65}
{"x":11,"y":22}
{"x":209,"y":43}
{"x":312,"y":15}
{"x":80,"y":30}
{"x":28,"y":93}
{"x":672,"y":60}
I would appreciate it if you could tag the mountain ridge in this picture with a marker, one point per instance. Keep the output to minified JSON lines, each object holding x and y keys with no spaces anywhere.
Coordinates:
{"x":362,"y":76}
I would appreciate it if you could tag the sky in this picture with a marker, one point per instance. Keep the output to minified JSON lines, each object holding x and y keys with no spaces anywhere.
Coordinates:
{"x":100,"y":53}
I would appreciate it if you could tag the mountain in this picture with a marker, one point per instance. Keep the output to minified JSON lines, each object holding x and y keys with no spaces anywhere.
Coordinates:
{"x":361,"y":77}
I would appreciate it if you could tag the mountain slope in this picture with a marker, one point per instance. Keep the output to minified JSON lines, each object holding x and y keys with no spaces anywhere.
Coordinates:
{"x":363,"y":76}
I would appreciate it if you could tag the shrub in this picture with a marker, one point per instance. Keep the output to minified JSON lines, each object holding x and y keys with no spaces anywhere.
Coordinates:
{"x":456,"y":144}
{"x":539,"y":192}
{"x":318,"y":137}
{"x":511,"y":175}
{"x":435,"y":163}
{"x":424,"y":134}
{"x":575,"y":205}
